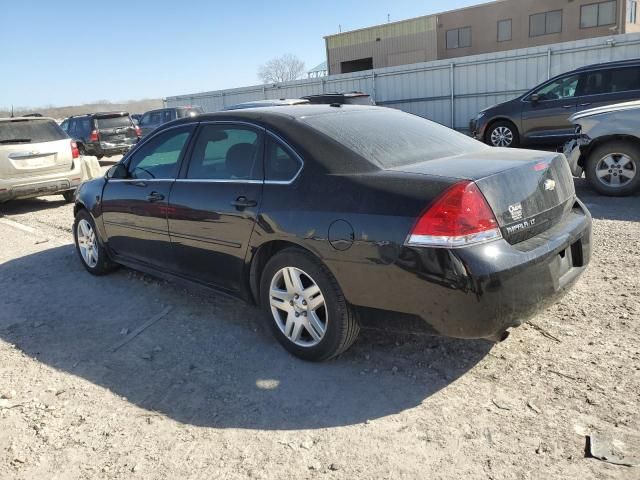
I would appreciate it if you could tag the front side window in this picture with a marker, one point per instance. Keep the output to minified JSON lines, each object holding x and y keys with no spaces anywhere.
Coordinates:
{"x":598,"y":14}
{"x":159,"y":157}
{"x":504,"y":30}
{"x":280,"y":164}
{"x":459,"y":37}
{"x":226,"y":152}
{"x":545,"y":23}
{"x":559,"y":89}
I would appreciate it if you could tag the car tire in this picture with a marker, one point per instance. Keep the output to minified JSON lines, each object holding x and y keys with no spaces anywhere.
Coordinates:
{"x":92,"y":253}
{"x":69,"y":195}
{"x":502,"y":134}
{"x":620,"y":180}
{"x":318,"y":323}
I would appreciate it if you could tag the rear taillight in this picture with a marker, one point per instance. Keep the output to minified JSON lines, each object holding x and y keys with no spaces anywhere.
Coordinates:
{"x":138,"y":132}
{"x":461,"y":216}
{"x":93,"y":136}
{"x":75,"y":153}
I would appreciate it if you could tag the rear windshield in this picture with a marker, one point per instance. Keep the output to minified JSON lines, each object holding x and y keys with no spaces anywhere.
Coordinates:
{"x":30,"y":131}
{"x":113,"y":122}
{"x":391,"y":138}
{"x":189,"y":112}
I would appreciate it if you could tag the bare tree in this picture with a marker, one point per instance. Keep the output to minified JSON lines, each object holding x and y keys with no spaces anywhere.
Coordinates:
{"x":281,"y":69}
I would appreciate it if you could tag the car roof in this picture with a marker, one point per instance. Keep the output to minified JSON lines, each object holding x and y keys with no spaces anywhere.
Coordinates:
{"x":15,"y":119}
{"x":618,"y":63}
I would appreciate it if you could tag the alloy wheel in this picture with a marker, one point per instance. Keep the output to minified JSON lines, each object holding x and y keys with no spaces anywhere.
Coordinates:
{"x":298,"y":307}
{"x":501,"y":137}
{"x":87,"y":243}
{"x":615,"y":170}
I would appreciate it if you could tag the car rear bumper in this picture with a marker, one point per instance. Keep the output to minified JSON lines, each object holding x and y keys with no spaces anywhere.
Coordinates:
{"x":28,"y":187}
{"x":479,"y":291}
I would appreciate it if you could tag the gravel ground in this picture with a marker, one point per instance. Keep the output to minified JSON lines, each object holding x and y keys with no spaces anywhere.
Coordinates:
{"x":205,"y":392}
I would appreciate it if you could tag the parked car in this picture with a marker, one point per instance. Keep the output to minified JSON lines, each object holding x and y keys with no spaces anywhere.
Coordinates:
{"x":541,"y":116}
{"x":268,"y":103}
{"x":37,"y":158}
{"x":349,"y":98}
{"x":102,"y":134}
{"x":154,"y":118}
{"x":323,"y":214}
{"x":607,"y":148}
{"x":136,"y":118}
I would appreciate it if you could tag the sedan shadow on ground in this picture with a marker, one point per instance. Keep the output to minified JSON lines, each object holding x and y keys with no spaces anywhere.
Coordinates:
{"x":210,"y":361}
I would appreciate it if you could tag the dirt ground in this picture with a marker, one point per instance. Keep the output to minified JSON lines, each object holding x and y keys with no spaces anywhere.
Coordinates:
{"x":205,"y":392}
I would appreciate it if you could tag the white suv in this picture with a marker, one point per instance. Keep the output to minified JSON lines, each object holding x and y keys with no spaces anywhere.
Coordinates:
{"x":37,"y":158}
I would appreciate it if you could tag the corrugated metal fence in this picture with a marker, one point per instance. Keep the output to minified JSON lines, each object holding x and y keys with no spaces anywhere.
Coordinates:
{"x":446,"y":91}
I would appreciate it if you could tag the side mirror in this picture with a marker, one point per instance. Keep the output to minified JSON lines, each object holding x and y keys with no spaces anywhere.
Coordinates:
{"x":119,"y":170}
{"x":535,"y":98}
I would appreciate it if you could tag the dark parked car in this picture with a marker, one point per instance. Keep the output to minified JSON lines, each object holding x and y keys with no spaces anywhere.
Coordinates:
{"x":154,"y":118}
{"x":136,"y":118}
{"x":541,"y":116}
{"x":280,"y":102}
{"x":607,"y":148}
{"x":328,"y":216}
{"x":102,"y":134}
{"x":349,"y":98}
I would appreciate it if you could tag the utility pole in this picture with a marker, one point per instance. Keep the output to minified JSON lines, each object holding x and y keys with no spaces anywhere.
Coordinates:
{"x":388,"y":18}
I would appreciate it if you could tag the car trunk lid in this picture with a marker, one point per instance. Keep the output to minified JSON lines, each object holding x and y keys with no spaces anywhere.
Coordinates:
{"x":528,"y":191}
{"x":33,"y":146}
{"x":115,"y":128}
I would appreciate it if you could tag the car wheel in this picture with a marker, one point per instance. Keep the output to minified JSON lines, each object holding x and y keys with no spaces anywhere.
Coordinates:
{"x":93,"y":255}
{"x":305,"y":307}
{"x":81,"y":150}
{"x":502,"y":134}
{"x":69,"y":195}
{"x":612,"y":168}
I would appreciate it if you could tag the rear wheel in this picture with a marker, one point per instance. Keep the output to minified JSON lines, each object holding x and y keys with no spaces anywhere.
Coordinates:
{"x":92,"y":253}
{"x":305,"y":307}
{"x":502,"y":134}
{"x":612,"y":168}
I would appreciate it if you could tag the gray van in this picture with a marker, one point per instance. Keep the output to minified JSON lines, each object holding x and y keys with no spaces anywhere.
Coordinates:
{"x":541,"y":116}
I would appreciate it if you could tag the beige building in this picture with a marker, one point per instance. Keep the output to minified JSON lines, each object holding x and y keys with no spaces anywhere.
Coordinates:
{"x":490,"y":27}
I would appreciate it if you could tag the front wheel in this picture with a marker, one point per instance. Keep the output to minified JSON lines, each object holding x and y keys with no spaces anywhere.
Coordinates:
{"x":612,"y":168}
{"x":502,"y":134}
{"x":92,"y":253}
{"x":305,"y":307}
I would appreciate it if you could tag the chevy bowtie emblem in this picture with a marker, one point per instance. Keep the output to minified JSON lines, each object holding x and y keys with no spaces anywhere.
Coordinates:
{"x":549,"y":184}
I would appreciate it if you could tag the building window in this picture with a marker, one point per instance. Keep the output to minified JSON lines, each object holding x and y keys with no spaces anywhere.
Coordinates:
{"x":545,"y":23}
{"x":632,"y":11}
{"x":357,"y":65}
{"x":598,"y":14}
{"x":459,"y":37}
{"x":504,"y":30}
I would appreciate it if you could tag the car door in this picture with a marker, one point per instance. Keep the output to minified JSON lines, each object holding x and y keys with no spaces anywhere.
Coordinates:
{"x":214,"y":205}
{"x":546,"y":112}
{"x":134,"y":208}
{"x":608,"y":86}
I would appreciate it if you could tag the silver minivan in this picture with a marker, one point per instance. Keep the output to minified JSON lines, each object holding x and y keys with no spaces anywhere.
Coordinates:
{"x":37,"y":158}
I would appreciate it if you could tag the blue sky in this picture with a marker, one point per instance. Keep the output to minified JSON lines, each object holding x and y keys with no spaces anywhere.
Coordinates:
{"x":65,"y":52}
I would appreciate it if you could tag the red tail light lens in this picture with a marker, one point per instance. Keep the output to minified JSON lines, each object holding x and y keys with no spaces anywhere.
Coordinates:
{"x":461,"y":216}
{"x":75,"y":153}
{"x":138,"y":132}
{"x":93,"y":136}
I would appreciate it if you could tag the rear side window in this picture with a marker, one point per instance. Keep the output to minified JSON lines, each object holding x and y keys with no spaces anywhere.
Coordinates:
{"x":113,"y":122}
{"x":391,"y":138}
{"x":30,"y":131}
{"x":223,"y":152}
{"x":611,"y":81}
{"x":280,"y":164}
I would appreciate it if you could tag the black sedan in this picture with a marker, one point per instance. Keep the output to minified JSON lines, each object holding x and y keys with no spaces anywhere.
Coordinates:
{"x":331,"y":216}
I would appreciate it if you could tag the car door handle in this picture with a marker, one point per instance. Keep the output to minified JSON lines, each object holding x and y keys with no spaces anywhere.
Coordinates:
{"x":155,"y":197}
{"x":243,"y":202}
{"x":584,"y":104}
{"x":567,"y":106}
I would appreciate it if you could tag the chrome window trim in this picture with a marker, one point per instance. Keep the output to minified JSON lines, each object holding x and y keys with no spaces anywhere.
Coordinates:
{"x":218,"y":180}
{"x":141,"y":180}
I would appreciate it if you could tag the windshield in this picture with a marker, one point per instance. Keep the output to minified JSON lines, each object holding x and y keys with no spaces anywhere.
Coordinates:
{"x":391,"y":138}
{"x":30,"y":131}
{"x":113,"y":122}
